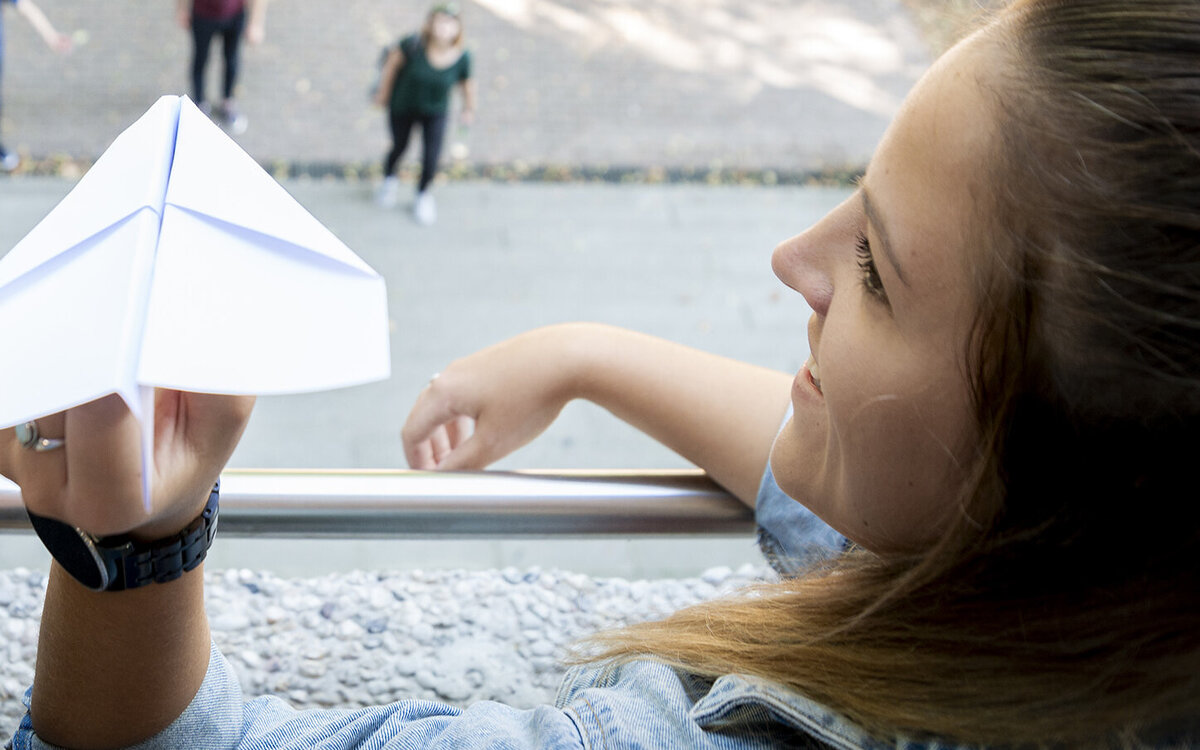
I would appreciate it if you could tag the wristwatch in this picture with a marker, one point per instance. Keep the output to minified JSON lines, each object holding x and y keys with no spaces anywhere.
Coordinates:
{"x":117,"y":563}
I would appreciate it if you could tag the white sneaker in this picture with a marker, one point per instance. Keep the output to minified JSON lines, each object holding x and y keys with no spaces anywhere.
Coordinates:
{"x":237,"y":123}
{"x":234,"y":122}
{"x":386,"y":196}
{"x":424,"y":209}
{"x":8,"y":161}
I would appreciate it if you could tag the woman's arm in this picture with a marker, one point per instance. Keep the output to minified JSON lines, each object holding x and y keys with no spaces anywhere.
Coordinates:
{"x":58,"y":42}
{"x":719,"y":413}
{"x":468,"y":100}
{"x":256,"y":25}
{"x":115,"y":668}
{"x":387,"y":78}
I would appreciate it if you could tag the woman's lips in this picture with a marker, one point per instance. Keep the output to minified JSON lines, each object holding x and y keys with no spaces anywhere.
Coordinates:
{"x":807,"y":384}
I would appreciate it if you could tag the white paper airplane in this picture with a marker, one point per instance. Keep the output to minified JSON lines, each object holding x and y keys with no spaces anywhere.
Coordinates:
{"x":177,"y":262}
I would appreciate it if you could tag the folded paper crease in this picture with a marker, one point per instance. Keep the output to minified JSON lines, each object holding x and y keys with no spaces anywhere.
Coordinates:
{"x":177,"y":262}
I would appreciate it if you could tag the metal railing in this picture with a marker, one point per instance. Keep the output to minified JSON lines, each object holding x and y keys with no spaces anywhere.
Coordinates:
{"x":384,"y":503}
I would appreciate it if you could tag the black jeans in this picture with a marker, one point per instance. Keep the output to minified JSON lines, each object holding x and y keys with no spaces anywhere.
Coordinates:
{"x":433,"y":131}
{"x":203,"y":31}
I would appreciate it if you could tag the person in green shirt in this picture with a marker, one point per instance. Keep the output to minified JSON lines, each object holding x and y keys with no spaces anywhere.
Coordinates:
{"x":415,"y":86}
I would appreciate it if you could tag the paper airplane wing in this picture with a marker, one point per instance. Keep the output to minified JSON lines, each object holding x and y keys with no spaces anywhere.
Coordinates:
{"x":251,"y":294}
{"x":72,"y":292}
{"x":177,"y":262}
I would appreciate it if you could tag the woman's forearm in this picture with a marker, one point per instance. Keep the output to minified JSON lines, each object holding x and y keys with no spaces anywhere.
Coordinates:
{"x":719,"y":413}
{"x":115,"y":668}
{"x":38,"y":20}
{"x":468,"y":95}
{"x":258,"y":12}
{"x":387,"y":77}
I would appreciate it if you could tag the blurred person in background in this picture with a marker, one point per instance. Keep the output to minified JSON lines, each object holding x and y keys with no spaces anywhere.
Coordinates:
{"x":415,"y":86}
{"x":231,"y":19}
{"x":60,"y":43}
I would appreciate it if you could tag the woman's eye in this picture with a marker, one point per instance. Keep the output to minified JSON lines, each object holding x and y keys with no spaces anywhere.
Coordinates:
{"x":869,"y":273}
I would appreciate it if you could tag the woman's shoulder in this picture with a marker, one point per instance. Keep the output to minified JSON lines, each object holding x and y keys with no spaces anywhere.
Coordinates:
{"x":410,"y":44}
{"x":464,"y":60}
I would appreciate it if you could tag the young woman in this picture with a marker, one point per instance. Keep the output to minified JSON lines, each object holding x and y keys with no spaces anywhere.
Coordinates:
{"x":999,"y":412}
{"x":415,"y":86}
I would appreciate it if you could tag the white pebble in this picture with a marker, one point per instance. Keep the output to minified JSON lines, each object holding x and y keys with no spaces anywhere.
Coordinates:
{"x":714,"y":576}
{"x":349,"y":629}
{"x":229,"y":621}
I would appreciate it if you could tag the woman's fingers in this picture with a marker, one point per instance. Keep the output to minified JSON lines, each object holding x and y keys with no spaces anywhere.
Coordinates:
{"x":195,"y":434}
{"x":211,"y":424}
{"x":103,"y":488}
{"x":469,"y":455}
{"x":460,"y":428}
{"x":420,"y":455}
{"x":433,"y":432}
{"x":104,"y":448}
{"x":41,"y":474}
{"x":440,"y":444}
{"x":424,"y":434}
{"x":94,"y":480}
{"x":447,"y":439}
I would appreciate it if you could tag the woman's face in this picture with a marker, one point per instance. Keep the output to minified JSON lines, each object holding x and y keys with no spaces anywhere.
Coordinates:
{"x":883,"y":426}
{"x":444,"y":27}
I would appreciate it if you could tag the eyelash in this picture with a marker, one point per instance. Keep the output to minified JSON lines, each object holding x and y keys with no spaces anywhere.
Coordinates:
{"x":870,"y":274}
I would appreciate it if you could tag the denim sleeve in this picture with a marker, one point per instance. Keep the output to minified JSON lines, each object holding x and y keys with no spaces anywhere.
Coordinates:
{"x":791,"y":536}
{"x":217,"y":719}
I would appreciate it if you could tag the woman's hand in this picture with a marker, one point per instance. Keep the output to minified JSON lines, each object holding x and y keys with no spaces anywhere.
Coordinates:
{"x":485,"y":406}
{"x":153,"y":641}
{"x":94,"y":480}
{"x":255,"y":33}
{"x":718,"y":413}
{"x":60,"y":43}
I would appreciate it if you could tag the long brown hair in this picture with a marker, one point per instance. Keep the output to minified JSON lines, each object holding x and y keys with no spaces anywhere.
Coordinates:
{"x":1062,"y":605}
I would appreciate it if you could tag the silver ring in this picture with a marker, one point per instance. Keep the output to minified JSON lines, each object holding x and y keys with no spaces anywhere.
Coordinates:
{"x":432,"y":378}
{"x":28,"y":437}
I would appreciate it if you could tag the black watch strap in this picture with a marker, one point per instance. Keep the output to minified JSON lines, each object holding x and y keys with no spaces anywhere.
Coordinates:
{"x":117,"y":563}
{"x":163,"y":560}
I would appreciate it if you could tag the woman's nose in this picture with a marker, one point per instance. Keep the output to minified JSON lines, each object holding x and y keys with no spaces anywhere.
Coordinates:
{"x":796,"y":261}
{"x":808,"y":262}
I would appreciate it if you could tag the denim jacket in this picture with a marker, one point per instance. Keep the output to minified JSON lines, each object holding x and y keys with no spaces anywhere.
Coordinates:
{"x":639,"y":705}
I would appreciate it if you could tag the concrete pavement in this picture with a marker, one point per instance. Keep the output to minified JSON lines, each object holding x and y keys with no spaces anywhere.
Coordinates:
{"x":789,"y":85}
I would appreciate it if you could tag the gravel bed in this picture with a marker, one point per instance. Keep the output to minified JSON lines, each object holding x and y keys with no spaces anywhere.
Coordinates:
{"x":364,"y":638}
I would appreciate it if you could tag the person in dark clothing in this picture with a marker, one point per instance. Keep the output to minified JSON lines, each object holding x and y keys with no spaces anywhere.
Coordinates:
{"x":415,"y":86}
{"x":60,"y":43}
{"x":229,"y":19}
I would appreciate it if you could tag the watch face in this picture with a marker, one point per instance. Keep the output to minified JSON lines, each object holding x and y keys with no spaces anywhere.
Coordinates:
{"x":74,"y":551}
